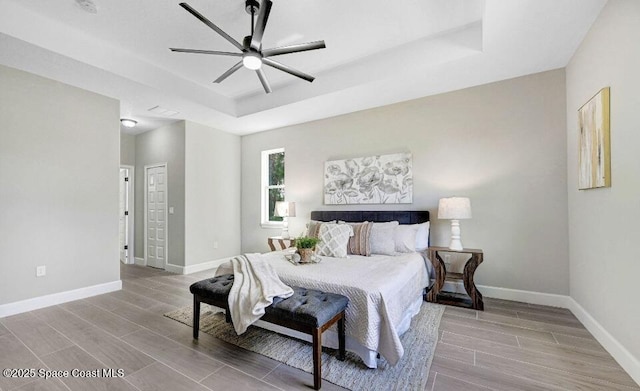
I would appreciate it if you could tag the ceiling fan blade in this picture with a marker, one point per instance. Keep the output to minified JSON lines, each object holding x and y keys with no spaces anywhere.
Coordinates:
{"x":303,"y":47}
{"x":209,"y":23}
{"x":197,"y":51}
{"x":263,"y":16}
{"x":263,"y":80}
{"x":288,"y":69}
{"x":229,"y":72}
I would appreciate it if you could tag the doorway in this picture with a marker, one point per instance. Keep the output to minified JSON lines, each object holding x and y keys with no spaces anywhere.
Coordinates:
{"x":155,"y":215}
{"x":126,"y":215}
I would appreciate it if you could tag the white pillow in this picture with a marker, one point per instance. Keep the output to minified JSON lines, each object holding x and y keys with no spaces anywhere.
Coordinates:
{"x":422,"y":236}
{"x":383,"y":238}
{"x":334,"y":239}
{"x":410,"y":238}
{"x":405,"y":239}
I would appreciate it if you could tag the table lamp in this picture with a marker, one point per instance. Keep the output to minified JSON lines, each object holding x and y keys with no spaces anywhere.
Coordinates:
{"x":454,"y":209}
{"x":285,"y":210}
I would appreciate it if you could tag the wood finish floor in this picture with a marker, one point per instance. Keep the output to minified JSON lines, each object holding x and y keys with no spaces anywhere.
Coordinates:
{"x":509,"y":346}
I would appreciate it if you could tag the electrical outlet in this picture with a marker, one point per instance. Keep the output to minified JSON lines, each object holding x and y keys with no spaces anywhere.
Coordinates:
{"x":215,"y":244}
{"x":41,"y":271}
{"x":446,"y":258}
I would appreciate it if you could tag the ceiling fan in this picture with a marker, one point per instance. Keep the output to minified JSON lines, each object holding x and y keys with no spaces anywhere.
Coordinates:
{"x":253,"y":57}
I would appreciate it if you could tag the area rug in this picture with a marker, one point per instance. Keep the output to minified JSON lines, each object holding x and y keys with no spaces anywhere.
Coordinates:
{"x":410,"y":373}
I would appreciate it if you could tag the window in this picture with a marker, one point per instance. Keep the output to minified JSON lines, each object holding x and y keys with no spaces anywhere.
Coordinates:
{"x":272,"y":185}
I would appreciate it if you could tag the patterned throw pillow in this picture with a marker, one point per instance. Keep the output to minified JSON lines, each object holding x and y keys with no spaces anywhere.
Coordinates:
{"x":360,"y":242}
{"x":313,"y":227}
{"x":334,"y":239}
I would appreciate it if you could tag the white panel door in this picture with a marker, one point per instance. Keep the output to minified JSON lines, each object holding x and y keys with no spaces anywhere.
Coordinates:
{"x":156,"y":216}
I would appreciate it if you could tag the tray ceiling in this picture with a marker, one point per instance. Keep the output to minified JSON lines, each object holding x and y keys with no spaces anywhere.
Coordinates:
{"x":378,"y":52}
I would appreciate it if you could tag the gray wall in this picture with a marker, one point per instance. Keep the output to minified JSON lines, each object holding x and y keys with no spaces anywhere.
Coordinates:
{"x":162,"y":145}
{"x":58,"y":202}
{"x":203,"y":189}
{"x":603,"y":223}
{"x":212,"y":200}
{"x":127,"y":149}
{"x":502,"y":144}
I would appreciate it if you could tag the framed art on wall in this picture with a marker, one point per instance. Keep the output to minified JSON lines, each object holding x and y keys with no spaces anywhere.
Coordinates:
{"x":594,"y":154}
{"x":381,"y":179}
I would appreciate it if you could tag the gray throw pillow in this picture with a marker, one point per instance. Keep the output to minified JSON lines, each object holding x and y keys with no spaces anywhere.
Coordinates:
{"x":383,"y":238}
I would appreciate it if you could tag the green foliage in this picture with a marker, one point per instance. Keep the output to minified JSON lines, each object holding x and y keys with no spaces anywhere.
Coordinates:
{"x":307,"y":242}
{"x":276,"y":178}
{"x":276,"y":168}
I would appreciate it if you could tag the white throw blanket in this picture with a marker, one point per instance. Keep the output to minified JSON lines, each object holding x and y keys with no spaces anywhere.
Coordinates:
{"x":255,"y":284}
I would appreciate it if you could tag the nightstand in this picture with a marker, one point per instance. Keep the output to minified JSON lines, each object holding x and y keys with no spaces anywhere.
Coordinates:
{"x":436,"y":295}
{"x":283,"y":242}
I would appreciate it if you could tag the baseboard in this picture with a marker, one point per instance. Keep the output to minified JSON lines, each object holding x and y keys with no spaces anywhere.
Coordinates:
{"x":627,"y":361}
{"x":204,"y":266}
{"x":531,"y":297}
{"x":171,"y":268}
{"x":178,"y":269}
{"x":35,"y":303}
{"x":195,"y":268}
{"x":139,"y":261}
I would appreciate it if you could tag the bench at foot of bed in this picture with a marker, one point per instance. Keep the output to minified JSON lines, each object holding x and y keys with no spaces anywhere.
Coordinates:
{"x":308,"y":311}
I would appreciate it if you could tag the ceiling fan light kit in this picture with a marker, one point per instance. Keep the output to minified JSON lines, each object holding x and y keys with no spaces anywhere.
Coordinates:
{"x":252,"y":60}
{"x":251,"y":53}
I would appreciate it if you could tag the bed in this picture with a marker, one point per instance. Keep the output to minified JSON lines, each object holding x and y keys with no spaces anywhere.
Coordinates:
{"x":385,"y":292}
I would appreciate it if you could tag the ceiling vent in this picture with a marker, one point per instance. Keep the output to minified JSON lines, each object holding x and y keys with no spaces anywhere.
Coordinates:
{"x":88,"y":5}
{"x":162,"y":111}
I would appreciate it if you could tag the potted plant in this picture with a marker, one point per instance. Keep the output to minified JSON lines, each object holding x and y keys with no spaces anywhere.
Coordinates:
{"x":306,"y":246}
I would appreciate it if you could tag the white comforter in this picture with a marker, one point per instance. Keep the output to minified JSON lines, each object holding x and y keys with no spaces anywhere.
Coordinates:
{"x":380,"y":290}
{"x":255,"y":284}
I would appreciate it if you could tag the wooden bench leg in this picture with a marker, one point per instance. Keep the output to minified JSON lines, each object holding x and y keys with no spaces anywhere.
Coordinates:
{"x":196,"y":316}
{"x":317,"y":358}
{"x":341,"y":343}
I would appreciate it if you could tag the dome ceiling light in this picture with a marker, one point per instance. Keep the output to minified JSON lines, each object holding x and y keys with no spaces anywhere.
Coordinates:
{"x":128,"y":123}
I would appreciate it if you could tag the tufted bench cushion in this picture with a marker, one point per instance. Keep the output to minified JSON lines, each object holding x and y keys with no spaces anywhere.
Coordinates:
{"x":308,"y":306}
{"x":216,"y":288}
{"x":307,"y":310}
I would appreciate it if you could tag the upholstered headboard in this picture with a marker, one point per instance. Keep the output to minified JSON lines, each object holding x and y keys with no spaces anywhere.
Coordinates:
{"x":404,"y":217}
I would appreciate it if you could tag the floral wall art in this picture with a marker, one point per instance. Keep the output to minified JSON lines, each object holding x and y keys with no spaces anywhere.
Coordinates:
{"x":382,"y":179}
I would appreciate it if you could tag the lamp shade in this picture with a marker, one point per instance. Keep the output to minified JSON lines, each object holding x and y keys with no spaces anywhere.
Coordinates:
{"x":285,"y":209}
{"x":454,"y":208}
